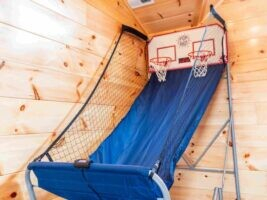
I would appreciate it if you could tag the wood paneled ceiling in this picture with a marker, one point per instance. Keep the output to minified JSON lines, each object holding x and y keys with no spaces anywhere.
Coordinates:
{"x":166,"y":15}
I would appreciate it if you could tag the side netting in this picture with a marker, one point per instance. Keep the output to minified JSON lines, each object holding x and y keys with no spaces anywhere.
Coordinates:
{"x":119,"y":83}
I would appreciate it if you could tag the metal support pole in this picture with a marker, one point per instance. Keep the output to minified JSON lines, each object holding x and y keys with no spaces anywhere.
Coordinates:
{"x":29,"y":185}
{"x":232,"y":130}
{"x":217,"y":194}
{"x":225,"y":159}
{"x":211,"y":142}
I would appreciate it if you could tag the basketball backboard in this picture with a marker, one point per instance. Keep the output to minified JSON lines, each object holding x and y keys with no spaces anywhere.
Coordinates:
{"x":178,"y":45}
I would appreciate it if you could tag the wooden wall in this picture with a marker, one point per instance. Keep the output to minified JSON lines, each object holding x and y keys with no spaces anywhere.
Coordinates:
{"x":50,"y":51}
{"x":246,"y":22}
{"x":47,"y":62}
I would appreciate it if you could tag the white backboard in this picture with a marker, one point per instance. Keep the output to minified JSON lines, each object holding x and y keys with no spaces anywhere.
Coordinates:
{"x":178,"y":45}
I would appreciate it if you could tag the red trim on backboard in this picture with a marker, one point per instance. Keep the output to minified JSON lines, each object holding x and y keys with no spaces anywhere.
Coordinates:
{"x":213,"y":46}
{"x":166,"y":47}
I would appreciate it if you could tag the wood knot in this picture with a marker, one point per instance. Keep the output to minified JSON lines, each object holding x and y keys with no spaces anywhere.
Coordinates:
{"x":105,"y":76}
{"x":252,"y":168}
{"x":246,"y":155}
{"x":13,"y":195}
{"x":133,"y":94}
{"x":2,"y":64}
{"x":84,"y":123}
{"x":22,"y":107}
{"x":189,"y":15}
{"x":35,"y":92}
{"x":233,"y":63}
{"x":262,"y":51}
{"x":192,"y":144}
{"x":79,"y":83}
{"x":16,"y":130}
{"x":206,"y":176}
{"x":136,"y":73}
{"x":93,"y":37}
{"x":141,"y":52}
{"x":160,"y":15}
{"x":62,"y":1}
{"x":230,"y":144}
{"x":189,"y":20}
{"x":66,"y":64}
{"x":81,"y":64}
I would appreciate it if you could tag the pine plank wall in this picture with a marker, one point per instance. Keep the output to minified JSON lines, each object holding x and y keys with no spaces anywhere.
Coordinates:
{"x":50,"y":52}
{"x":47,"y":63}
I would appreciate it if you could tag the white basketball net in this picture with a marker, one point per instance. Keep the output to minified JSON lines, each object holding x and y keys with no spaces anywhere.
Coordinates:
{"x":200,"y":59}
{"x":160,"y":65}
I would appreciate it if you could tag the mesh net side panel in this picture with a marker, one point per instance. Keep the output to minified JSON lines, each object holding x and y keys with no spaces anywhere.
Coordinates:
{"x":124,"y":79}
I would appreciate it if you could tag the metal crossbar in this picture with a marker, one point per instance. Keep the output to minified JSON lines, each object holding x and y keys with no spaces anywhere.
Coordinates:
{"x":193,"y":165}
{"x":211,"y":143}
{"x":207,"y":170}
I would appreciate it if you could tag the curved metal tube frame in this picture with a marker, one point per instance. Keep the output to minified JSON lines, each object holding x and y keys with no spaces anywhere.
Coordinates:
{"x":159,"y":182}
{"x":162,"y":186}
{"x":29,"y":185}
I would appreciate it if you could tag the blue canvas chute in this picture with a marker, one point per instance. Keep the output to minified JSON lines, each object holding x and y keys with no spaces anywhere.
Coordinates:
{"x":157,"y":127}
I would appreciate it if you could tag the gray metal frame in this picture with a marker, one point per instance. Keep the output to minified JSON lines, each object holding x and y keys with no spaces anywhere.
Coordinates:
{"x":30,"y":186}
{"x":160,"y":183}
{"x":155,"y":177}
{"x":231,"y":134}
{"x":217,"y":194}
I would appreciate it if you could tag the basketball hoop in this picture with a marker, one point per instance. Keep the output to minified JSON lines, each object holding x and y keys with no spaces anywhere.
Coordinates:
{"x":200,"y":58}
{"x":160,"y":65}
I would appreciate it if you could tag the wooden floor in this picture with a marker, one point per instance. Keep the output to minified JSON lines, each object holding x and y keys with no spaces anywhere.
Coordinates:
{"x":48,"y":61}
